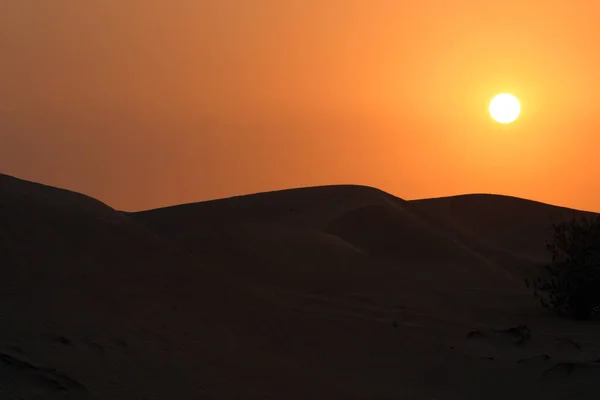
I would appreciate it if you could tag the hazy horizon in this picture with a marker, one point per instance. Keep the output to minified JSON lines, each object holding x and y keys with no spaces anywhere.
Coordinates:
{"x":144,"y":104}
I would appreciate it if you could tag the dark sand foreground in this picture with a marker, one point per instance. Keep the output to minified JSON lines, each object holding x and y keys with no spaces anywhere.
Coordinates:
{"x":339,"y":292}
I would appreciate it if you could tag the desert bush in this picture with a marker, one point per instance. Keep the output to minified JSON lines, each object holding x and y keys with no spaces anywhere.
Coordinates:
{"x":570,"y":283}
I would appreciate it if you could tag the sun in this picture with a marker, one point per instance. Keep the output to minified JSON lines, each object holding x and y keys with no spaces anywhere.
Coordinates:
{"x":505,"y":108}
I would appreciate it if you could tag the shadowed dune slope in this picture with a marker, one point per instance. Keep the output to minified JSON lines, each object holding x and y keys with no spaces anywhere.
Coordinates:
{"x":94,"y":305}
{"x":54,"y":237}
{"x":349,"y":239}
{"x":511,"y":224}
{"x":344,"y":226}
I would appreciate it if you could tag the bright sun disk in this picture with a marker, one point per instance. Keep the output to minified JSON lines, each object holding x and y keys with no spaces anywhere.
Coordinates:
{"x":505,"y":108}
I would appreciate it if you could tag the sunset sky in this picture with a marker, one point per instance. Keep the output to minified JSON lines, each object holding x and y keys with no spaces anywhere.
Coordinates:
{"x":147,"y":103}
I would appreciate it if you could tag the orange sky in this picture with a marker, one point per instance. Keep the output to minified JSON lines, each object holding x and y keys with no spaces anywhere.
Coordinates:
{"x":146,"y":103}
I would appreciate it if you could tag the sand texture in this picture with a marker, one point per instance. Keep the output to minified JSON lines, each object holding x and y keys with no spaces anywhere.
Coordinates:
{"x":334,"y":292}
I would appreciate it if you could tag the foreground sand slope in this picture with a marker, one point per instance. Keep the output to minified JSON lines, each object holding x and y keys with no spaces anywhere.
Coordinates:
{"x":339,"y":292}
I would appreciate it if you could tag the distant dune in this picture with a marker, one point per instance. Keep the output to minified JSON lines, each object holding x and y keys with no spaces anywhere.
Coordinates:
{"x":507,"y":223}
{"x":332,"y":292}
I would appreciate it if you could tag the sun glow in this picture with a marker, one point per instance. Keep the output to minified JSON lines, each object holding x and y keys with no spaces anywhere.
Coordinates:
{"x":505,"y":108}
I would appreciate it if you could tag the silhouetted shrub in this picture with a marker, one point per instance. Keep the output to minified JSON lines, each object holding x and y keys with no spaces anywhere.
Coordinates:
{"x":570,"y":284}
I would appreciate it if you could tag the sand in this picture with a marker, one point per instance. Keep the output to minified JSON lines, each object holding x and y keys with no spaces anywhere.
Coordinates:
{"x":335,"y":292}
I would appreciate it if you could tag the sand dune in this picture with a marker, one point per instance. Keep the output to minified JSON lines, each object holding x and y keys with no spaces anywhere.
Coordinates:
{"x":334,"y":292}
{"x":508,"y":223}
